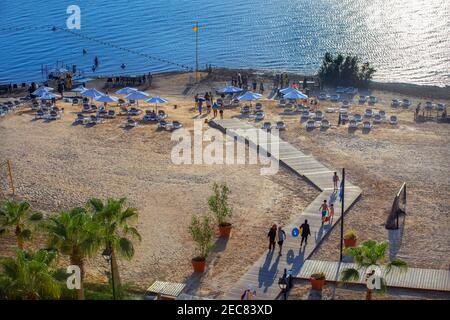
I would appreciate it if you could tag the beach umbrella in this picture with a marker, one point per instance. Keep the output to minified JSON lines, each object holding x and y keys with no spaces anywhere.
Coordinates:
{"x":137,"y":95}
{"x":81,"y":79}
{"x":231,"y":90}
{"x":156,"y":100}
{"x":286,"y":90}
{"x":105,"y":98}
{"x":48,"y":96}
{"x":79,"y":89}
{"x":92,"y":93}
{"x":295,"y":95}
{"x":250,"y":96}
{"x":41,"y":90}
{"x":126,"y":90}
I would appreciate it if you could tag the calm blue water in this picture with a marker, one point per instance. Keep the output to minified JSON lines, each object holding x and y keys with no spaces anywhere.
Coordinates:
{"x":406,"y":40}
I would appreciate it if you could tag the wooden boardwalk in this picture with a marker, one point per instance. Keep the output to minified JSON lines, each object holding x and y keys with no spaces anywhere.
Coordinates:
{"x":413,"y":278}
{"x":265,"y":272}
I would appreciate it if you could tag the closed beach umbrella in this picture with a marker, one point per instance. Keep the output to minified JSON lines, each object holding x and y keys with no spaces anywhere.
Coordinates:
{"x":156,"y":100}
{"x":295,"y":95}
{"x":231,"y":90}
{"x":126,"y":90}
{"x":137,"y":95}
{"x":250,"y":96}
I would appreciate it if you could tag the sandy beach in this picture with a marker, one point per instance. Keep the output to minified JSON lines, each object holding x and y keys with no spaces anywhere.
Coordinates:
{"x":58,"y":165}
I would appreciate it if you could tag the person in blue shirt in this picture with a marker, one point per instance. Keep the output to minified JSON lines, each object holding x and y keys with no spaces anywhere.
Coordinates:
{"x":215,"y":107}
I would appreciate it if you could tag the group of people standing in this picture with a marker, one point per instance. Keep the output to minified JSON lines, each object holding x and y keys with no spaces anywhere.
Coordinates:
{"x":208,"y":100}
{"x":242,"y":81}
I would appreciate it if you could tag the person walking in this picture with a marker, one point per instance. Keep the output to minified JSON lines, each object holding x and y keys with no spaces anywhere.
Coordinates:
{"x":200,"y":106}
{"x":305,"y":232}
{"x":324,"y":210}
{"x":215,"y":107}
{"x":331,"y":213}
{"x":335,"y":181}
{"x":261,"y":88}
{"x":221,"y":113}
{"x":281,"y":237}
{"x":272,"y":235}
{"x":254,"y":84}
{"x":248,"y":294}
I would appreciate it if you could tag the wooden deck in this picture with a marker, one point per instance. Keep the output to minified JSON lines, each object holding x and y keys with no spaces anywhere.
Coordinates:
{"x":413,"y":278}
{"x":265,"y":272}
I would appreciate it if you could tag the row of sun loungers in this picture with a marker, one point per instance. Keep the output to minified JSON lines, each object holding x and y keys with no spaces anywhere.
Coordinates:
{"x":9,"y":106}
{"x":51,"y":114}
{"x":280,"y":125}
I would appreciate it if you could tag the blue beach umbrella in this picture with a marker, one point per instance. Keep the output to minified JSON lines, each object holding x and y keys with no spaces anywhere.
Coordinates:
{"x":42,"y":90}
{"x":126,"y":90}
{"x":106,"y":98}
{"x":137,"y":95}
{"x":231,"y":90}
{"x":92,"y":93}
{"x":286,"y":90}
{"x":295,"y":95}
{"x":156,"y":100}
{"x":48,"y":96}
{"x":250,"y":96}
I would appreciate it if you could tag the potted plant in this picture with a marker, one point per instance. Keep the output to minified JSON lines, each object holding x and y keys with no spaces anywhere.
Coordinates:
{"x":202,"y":233}
{"x":350,"y":239}
{"x":218,"y":204}
{"x":317,"y":280}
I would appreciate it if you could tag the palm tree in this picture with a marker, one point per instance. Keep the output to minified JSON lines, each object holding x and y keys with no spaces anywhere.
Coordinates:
{"x":17,"y":216}
{"x":29,"y":277}
{"x":115,"y":230}
{"x":370,"y":254}
{"x":75,"y":234}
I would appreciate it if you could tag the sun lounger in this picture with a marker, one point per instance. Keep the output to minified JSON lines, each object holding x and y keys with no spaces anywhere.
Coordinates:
{"x":53,"y":115}
{"x":86,"y":108}
{"x":319,"y":115}
{"x":176,"y":125}
{"x":429,"y":105}
{"x":150,"y":117}
{"x":161,"y":115}
{"x":93,"y":120}
{"x":111,"y":114}
{"x":395,"y":103}
{"x":129,"y":123}
{"x":245,"y":110}
{"x":120,"y":102}
{"x":325,"y":124}
{"x":134,"y":111}
{"x":322,"y":96}
{"x":162,"y":124}
{"x":362,"y":99}
{"x":367,"y":125}
{"x":80,"y":118}
{"x":357,"y":117}
{"x":353,"y":124}
{"x":393,"y":120}
{"x":406,"y":103}
{"x":373,"y":100}
{"x":305,"y":114}
{"x":335,"y":97}
{"x":331,"y":110}
{"x":39,"y":115}
{"x":266,"y":126}
{"x":102,"y":113}
{"x":131,"y":102}
{"x":345,"y":104}
{"x":75,"y":101}
{"x":259,"y":116}
{"x":235,"y":103}
{"x":310,"y":124}
{"x":340,"y":90}
{"x":258,"y":107}
{"x":368,"y":113}
{"x":280,"y":125}
{"x":282,"y":103}
{"x":377,"y":119}
{"x":441,"y":106}
{"x":344,"y":117}
{"x":382,"y":113}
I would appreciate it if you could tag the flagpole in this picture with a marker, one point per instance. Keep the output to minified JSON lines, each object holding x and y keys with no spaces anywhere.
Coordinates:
{"x":342,"y":192}
{"x":196,"y":51}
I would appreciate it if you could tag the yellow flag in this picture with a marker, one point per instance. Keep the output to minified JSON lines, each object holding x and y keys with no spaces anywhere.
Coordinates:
{"x":195,"y":28}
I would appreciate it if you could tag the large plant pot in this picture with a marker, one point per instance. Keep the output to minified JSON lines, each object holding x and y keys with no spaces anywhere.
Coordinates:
{"x":199,"y":265}
{"x":317,"y":284}
{"x":350,"y":243}
{"x":225,"y":230}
